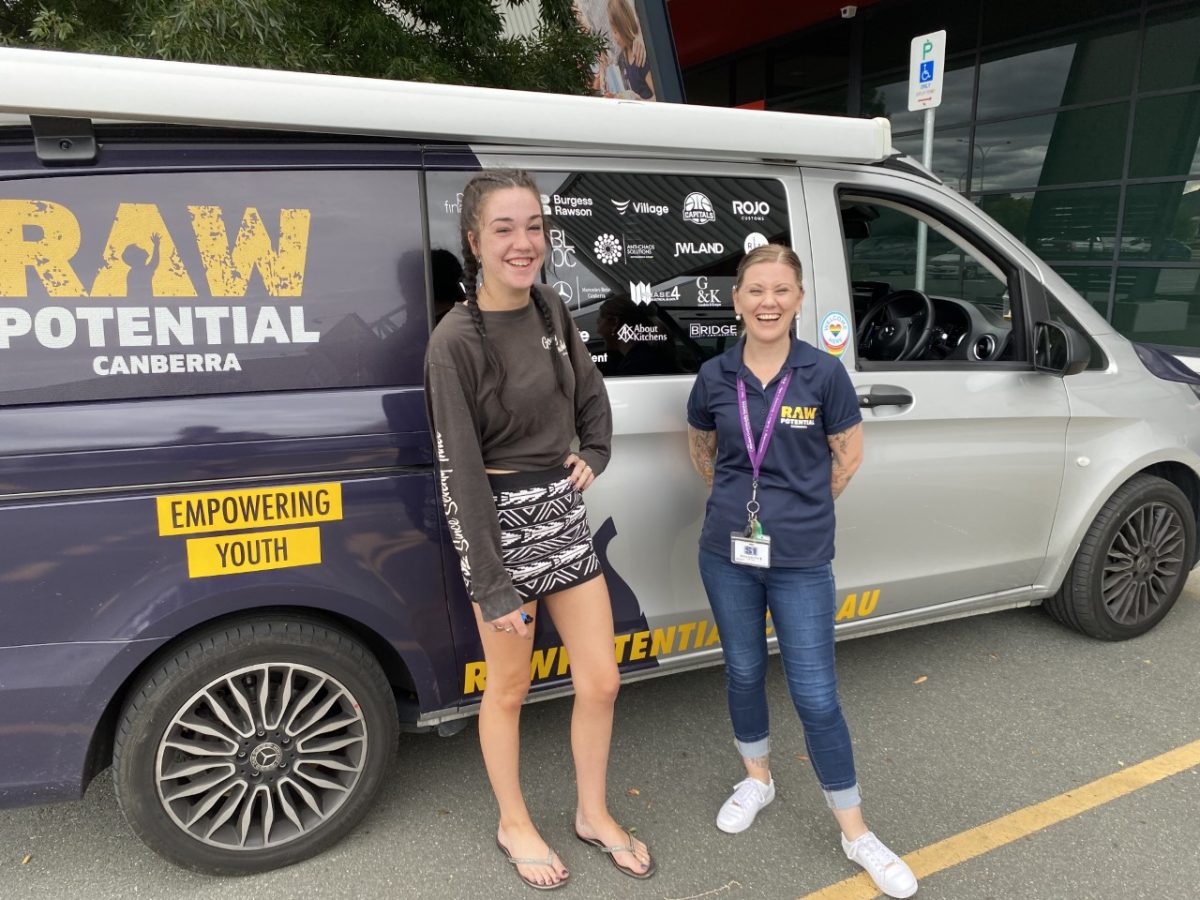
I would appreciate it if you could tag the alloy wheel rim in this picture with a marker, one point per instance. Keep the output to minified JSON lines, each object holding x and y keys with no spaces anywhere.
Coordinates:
{"x":261,"y":756}
{"x":1144,"y":563}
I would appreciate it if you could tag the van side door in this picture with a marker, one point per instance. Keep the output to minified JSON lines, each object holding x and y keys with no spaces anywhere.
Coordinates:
{"x":965,"y":441}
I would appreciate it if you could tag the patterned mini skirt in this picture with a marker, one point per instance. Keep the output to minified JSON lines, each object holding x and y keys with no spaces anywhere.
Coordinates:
{"x":545,"y":541}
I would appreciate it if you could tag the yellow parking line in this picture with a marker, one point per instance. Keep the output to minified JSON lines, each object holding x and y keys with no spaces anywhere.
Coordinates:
{"x":1006,"y":829}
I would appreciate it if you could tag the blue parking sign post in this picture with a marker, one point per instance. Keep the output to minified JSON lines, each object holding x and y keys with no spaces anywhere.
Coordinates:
{"x":927,"y":59}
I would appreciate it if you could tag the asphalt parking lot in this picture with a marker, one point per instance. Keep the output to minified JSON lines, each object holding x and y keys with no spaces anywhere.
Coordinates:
{"x":956,"y":726}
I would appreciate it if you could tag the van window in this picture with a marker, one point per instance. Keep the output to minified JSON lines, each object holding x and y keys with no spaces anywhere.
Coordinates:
{"x":965,"y":309}
{"x":645,"y":263}
{"x":183,"y":283}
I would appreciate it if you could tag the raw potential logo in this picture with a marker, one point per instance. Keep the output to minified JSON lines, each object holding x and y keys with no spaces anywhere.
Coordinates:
{"x":698,"y":209}
{"x":607,"y":249}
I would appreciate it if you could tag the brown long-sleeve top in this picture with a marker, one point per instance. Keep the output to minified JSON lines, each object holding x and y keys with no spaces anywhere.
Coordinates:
{"x":472,"y":431}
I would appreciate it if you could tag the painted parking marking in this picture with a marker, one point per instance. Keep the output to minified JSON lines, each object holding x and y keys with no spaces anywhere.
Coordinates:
{"x":987,"y":837}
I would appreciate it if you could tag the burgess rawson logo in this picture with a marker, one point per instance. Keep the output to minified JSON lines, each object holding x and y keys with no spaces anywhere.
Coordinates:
{"x":690,"y":248}
{"x":558,"y":205}
{"x":41,"y":238}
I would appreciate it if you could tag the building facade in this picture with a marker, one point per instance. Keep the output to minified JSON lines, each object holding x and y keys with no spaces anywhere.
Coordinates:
{"x":1074,"y":123}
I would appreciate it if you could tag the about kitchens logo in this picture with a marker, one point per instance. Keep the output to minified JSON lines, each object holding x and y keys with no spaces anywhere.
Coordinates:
{"x":635,"y":334}
{"x":607,"y":249}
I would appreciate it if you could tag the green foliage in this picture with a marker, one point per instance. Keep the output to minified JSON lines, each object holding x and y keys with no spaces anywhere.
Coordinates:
{"x":448,"y":41}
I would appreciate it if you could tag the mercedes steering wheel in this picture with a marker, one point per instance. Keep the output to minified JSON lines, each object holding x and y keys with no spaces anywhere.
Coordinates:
{"x":896,"y":328}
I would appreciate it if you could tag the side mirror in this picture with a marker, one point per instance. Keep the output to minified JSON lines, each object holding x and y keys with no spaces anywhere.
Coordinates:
{"x":1059,"y":350}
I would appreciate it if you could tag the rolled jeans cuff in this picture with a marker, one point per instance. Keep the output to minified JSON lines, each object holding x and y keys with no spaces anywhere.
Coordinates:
{"x":844,"y":798}
{"x":754,"y":749}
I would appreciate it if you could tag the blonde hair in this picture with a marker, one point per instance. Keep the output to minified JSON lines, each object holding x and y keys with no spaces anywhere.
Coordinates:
{"x":768,"y":253}
{"x":623,"y":21}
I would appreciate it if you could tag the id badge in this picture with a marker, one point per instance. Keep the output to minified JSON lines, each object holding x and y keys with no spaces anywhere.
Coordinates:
{"x":750,"y":551}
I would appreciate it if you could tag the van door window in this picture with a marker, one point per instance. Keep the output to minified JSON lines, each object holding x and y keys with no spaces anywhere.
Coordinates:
{"x":183,"y":283}
{"x":962,"y":307}
{"x":645,"y":263}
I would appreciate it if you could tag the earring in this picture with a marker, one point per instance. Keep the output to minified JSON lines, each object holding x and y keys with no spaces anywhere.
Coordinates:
{"x":738,"y":316}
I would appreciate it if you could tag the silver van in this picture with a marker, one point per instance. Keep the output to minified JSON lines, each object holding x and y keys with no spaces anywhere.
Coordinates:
{"x":225,"y":570}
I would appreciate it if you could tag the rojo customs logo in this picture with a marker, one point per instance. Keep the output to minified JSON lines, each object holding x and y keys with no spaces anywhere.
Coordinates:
{"x":698,"y":209}
{"x":607,"y":249}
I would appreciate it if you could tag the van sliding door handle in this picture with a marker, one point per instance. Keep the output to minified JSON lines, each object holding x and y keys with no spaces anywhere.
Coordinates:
{"x":884,"y":397}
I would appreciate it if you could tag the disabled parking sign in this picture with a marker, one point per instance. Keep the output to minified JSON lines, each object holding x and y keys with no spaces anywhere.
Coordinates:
{"x":927,"y":57}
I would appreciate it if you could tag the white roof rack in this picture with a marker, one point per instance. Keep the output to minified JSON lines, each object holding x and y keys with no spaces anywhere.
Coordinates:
{"x":42,"y":82}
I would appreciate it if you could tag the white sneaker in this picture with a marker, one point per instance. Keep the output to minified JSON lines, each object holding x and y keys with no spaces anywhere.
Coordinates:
{"x":749,"y":796}
{"x":890,"y":873}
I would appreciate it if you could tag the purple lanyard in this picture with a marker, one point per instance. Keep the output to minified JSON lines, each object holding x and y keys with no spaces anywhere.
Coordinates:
{"x":757,"y":456}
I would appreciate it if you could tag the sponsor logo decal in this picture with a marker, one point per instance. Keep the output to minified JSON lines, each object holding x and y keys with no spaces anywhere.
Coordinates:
{"x":835,"y":333}
{"x":644,"y":334}
{"x":754,"y":240}
{"x":638,"y":250}
{"x":562,"y":206}
{"x":705,"y":330}
{"x":607,"y":249}
{"x":698,"y":209}
{"x":751,"y":210}
{"x":640,"y":292}
{"x":689,"y":248}
{"x":641,"y":207}
{"x":706,"y":296}
{"x":565,"y":291}
{"x":562,"y":254}
{"x":454,"y":207}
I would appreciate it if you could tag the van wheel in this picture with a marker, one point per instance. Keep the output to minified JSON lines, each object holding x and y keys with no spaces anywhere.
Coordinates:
{"x":1132,"y":563}
{"x":254,"y":747}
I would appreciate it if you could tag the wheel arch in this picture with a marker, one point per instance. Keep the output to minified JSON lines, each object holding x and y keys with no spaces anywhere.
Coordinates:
{"x":1180,"y":474}
{"x":397,"y":671}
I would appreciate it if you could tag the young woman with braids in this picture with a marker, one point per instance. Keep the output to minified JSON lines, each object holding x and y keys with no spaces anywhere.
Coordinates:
{"x":510,"y":385}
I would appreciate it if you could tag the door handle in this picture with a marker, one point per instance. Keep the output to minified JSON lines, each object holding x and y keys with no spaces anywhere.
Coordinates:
{"x":884,"y":396}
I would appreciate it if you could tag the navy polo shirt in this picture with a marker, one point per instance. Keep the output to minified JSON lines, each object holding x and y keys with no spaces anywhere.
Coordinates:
{"x":794,"y":481}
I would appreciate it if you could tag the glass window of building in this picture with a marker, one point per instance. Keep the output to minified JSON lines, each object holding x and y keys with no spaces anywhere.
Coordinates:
{"x":1166,"y":137}
{"x":1169,"y":57}
{"x":1075,"y":69}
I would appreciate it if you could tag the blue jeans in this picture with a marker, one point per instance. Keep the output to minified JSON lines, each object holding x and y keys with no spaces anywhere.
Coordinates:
{"x":801,"y":603}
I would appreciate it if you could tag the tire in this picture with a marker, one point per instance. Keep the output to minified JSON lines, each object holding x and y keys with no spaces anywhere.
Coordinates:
{"x":1132,"y":563}
{"x":255,"y":746}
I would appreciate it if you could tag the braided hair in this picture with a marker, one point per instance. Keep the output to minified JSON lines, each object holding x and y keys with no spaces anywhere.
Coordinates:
{"x":474,"y":194}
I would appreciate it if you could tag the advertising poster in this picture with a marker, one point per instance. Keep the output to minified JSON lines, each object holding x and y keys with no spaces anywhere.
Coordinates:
{"x":628,"y":69}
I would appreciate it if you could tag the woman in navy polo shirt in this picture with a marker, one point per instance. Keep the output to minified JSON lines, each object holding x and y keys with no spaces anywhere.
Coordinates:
{"x":775,"y":431}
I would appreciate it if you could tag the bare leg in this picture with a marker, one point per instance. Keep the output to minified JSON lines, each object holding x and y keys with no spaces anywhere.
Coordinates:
{"x":507,"y":656}
{"x":851,"y":822}
{"x":758,"y":768}
{"x":583,"y":618}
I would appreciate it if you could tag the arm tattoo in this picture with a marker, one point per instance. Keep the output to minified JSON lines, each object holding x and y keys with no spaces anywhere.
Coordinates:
{"x":703,"y":447}
{"x":846,"y":447}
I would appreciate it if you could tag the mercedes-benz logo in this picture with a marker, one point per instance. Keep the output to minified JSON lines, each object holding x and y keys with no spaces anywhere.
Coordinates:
{"x":266,"y":756}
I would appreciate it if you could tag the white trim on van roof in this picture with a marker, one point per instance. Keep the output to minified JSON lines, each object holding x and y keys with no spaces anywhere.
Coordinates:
{"x":43,"y":82}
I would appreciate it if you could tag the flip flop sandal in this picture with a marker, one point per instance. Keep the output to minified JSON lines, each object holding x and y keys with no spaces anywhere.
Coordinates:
{"x":515,"y":861}
{"x":651,"y":868}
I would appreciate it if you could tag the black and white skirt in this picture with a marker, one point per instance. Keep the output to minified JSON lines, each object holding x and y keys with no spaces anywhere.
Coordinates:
{"x":545,"y":540}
